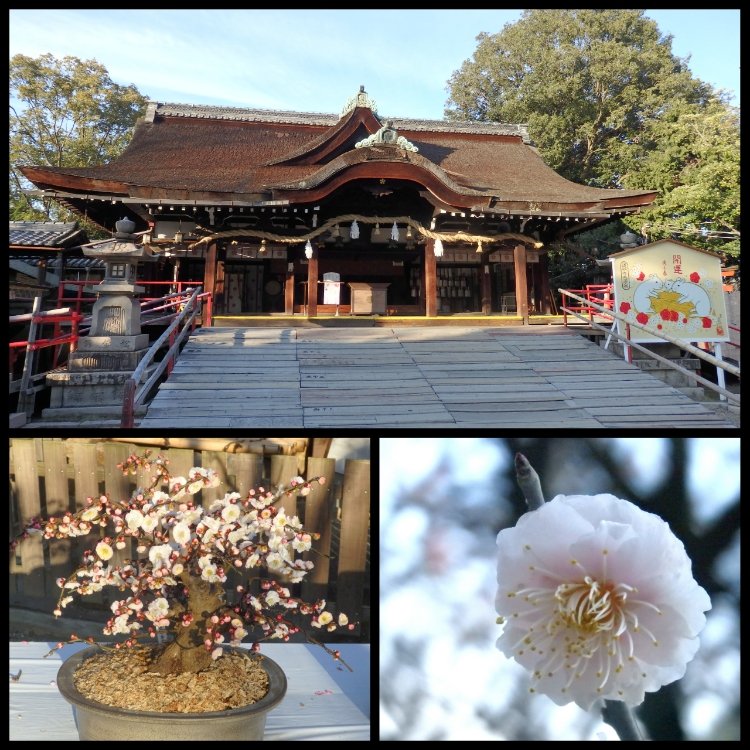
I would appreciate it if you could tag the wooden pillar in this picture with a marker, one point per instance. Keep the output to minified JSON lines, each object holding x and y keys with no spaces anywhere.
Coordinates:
{"x":522,"y":289}
{"x":41,"y":271}
{"x":213,"y":278}
{"x":61,"y":275}
{"x":544,"y":293}
{"x":209,"y":269}
{"x":289,"y":290}
{"x":430,"y":279}
{"x":312,"y":285}
{"x":486,"y":283}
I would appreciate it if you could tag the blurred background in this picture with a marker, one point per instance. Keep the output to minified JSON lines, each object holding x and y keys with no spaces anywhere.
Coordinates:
{"x":443,"y":501}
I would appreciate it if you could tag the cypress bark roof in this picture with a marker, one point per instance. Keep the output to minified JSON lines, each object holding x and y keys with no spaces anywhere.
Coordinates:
{"x":189,"y":151}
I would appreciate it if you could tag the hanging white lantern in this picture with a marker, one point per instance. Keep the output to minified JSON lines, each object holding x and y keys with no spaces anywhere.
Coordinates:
{"x":354,"y":231}
{"x":394,"y":232}
{"x":479,"y":246}
{"x":376,"y":231}
{"x":315,"y":220}
{"x":438,"y":248}
{"x":308,"y":250}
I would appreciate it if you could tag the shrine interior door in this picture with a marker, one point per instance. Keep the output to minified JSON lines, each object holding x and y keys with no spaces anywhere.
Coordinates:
{"x":244,"y":288}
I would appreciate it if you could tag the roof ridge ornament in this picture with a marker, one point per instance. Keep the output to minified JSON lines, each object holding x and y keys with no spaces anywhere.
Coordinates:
{"x":360,"y":100}
{"x":387,"y":136}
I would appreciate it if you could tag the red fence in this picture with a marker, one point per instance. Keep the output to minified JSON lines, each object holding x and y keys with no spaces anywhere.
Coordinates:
{"x":599,"y":294}
{"x":76,"y":298}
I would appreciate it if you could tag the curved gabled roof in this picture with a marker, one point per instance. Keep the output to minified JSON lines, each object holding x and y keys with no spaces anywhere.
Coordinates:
{"x":190,"y":151}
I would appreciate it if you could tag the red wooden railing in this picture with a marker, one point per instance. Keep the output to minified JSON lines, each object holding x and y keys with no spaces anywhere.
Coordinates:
{"x":77,"y":299}
{"x":26,"y":386}
{"x":601,"y":295}
{"x":158,"y":310}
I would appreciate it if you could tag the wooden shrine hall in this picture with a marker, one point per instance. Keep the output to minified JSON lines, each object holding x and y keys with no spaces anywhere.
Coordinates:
{"x":291,"y":213}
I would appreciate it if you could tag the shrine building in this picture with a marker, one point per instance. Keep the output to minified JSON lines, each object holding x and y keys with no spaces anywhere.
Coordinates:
{"x":417,"y":217}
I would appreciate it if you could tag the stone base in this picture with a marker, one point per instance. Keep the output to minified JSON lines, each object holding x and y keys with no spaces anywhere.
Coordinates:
{"x":17,"y":419}
{"x":104,"y":361}
{"x":91,"y":415}
{"x":87,"y":389}
{"x":697,"y":393}
{"x":665,"y":373}
{"x":116,"y":343}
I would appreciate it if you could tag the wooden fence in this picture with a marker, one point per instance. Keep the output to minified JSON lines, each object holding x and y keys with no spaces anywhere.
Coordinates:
{"x":49,"y":476}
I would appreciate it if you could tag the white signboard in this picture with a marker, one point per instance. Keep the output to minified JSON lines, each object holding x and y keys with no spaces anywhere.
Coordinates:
{"x":331,"y":288}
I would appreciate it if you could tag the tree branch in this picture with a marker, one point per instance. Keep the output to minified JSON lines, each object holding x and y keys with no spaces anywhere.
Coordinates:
{"x":619,"y":716}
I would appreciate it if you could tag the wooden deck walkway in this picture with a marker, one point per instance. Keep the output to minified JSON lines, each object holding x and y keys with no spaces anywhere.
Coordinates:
{"x":524,"y":377}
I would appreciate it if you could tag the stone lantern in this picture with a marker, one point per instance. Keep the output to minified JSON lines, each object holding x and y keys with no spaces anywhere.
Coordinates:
{"x":93,"y":383}
{"x":628,"y":239}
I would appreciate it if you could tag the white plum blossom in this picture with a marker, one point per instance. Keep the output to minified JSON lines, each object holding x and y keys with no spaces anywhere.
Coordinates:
{"x":302,"y":542}
{"x":230,"y":513}
{"x":210,"y":573}
{"x":89,"y":514}
{"x":158,"y":609}
{"x":181,"y":533}
{"x":104,"y":551}
{"x":134,"y":519}
{"x":149,"y":523}
{"x":598,"y":600}
{"x":322,"y":619}
{"x":274,"y":561}
{"x":159,"y":555}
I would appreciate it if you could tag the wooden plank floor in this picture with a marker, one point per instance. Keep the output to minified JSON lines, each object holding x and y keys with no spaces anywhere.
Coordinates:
{"x":460,"y":377}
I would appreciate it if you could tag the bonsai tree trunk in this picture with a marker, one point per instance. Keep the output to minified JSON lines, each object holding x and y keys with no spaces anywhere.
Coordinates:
{"x":187,"y":652}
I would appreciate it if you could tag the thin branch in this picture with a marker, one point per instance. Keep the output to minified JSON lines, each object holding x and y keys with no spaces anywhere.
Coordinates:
{"x":528,"y":481}
{"x":620,"y":717}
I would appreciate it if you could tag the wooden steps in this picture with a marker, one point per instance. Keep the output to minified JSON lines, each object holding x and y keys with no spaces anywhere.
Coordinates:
{"x":454,"y":377}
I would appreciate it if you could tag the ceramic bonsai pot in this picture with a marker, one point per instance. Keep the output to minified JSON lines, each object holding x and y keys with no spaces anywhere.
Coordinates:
{"x":99,"y":722}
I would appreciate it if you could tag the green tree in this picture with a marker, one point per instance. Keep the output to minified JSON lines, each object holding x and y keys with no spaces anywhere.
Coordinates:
{"x":608,"y":104}
{"x":585,"y":82}
{"x":694,"y":162}
{"x":64,"y":113}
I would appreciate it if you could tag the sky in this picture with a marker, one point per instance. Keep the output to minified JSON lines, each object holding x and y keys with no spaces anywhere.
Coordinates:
{"x":316,"y":60}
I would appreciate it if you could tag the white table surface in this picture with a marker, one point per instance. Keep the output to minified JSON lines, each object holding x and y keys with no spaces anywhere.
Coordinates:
{"x":323,"y":701}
